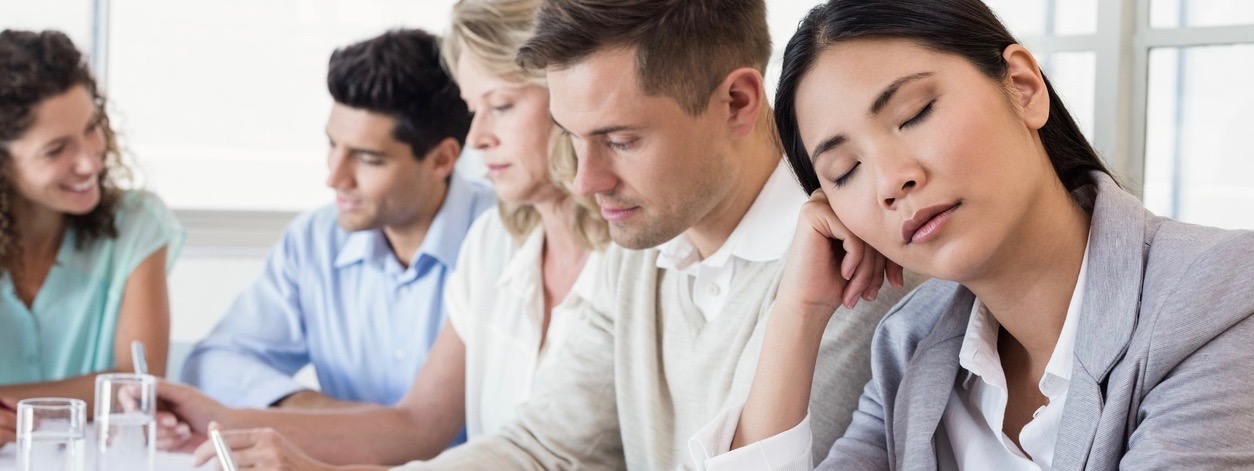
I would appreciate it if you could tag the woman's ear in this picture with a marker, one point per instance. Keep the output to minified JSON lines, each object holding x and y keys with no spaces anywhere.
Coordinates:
{"x":1027,"y":86}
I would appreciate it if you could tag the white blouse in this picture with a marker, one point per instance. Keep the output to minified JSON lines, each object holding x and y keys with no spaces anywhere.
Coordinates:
{"x":495,"y":302}
{"x":970,"y":435}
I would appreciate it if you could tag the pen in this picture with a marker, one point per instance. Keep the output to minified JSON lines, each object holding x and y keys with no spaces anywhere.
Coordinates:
{"x":137,"y":357}
{"x":224,"y":452}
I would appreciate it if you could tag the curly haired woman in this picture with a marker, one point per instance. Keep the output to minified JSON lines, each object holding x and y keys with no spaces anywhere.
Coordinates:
{"x":83,"y":262}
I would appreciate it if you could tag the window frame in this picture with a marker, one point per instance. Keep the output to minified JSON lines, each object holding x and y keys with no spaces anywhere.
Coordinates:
{"x":1121,"y":47}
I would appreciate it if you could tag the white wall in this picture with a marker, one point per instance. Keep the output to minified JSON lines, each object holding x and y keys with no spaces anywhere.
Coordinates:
{"x":202,"y":287}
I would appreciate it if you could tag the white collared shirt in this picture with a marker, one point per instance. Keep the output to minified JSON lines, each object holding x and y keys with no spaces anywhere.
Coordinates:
{"x":762,"y":235}
{"x":495,"y":302}
{"x":973,"y":414}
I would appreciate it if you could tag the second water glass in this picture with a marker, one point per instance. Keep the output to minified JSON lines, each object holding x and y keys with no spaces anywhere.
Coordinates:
{"x":126,"y":426}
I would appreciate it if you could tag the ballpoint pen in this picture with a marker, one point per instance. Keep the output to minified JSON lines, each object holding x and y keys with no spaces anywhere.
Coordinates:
{"x":224,"y":452}
{"x":137,"y":357}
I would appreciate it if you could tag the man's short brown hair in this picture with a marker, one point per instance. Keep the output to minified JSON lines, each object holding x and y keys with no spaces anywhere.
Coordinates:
{"x":685,"y":47}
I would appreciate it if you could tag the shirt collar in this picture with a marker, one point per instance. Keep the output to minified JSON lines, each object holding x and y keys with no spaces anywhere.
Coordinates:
{"x":443,"y":239}
{"x":369,"y":244}
{"x":1058,"y":370}
{"x":522,"y":270}
{"x":979,"y":355}
{"x":762,"y":234}
{"x":585,"y":284}
{"x":448,"y":229}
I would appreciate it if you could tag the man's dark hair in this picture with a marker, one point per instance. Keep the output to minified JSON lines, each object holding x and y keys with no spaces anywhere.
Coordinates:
{"x":398,"y":74}
{"x":685,"y":48}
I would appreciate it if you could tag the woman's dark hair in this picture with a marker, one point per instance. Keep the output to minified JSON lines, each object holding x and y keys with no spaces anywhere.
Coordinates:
{"x":398,"y":74}
{"x":36,"y":66}
{"x":965,"y":28}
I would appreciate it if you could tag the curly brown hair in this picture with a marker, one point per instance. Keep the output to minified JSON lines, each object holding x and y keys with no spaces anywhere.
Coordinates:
{"x":36,"y":66}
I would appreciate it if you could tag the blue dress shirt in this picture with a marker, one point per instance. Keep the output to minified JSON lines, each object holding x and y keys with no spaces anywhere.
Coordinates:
{"x":342,"y":302}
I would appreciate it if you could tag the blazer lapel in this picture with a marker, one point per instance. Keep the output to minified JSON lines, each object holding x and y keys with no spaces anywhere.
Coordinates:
{"x":927,"y":384}
{"x":1117,"y":238}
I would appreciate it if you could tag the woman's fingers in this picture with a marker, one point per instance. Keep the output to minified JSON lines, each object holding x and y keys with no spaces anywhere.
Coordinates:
{"x":7,"y":436}
{"x":235,"y":440}
{"x":203,"y":453}
{"x":896,"y":274}
{"x":877,"y":278}
{"x":861,"y":280}
{"x":8,"y":420}
{"x":832,"y":228}
{"x":8,"y":427}
{"x":271,"y":451}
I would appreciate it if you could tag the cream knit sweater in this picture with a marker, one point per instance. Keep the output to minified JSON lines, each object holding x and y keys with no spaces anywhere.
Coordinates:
{"x":642,"y":372}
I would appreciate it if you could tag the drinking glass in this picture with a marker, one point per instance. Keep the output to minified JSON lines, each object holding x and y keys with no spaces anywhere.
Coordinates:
{"x":50,"y":434}
{"x":126,"y":426}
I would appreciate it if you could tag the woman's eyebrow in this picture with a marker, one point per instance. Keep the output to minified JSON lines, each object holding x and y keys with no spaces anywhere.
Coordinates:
{"x":887,"y":95}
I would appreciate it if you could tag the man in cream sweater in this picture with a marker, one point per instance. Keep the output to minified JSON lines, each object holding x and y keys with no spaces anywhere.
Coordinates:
{"x":682,"y":158}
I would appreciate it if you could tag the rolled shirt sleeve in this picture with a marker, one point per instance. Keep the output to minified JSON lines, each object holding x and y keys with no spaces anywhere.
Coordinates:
{"x":787,"y":451}
{"x":249,"y":358}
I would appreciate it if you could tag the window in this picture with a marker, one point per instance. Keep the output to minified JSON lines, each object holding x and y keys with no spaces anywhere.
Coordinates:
{"x":73,"y":17}
{"x":1197,"y":163}
{"x":224,"y":103}
{"x":1061,"y":33}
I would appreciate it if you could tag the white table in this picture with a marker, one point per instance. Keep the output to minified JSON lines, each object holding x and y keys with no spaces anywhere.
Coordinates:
{"x":164,"y":461}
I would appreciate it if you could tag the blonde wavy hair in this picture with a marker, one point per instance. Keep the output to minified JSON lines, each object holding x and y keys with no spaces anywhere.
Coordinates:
{"x":490,"y":33}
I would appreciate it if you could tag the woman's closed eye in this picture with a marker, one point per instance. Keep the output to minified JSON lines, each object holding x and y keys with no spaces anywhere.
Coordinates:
{"x":920,"y":116}
{"x":841,"y":180}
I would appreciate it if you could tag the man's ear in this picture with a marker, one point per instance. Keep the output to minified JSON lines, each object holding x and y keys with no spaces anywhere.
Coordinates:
{"x":743,"y":93}
{"x":443,"y":157}
{"x":1027,"y":86}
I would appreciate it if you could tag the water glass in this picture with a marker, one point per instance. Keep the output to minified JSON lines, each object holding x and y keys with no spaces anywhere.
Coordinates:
{"x":50,"y":435}
{"x":126,"y":426}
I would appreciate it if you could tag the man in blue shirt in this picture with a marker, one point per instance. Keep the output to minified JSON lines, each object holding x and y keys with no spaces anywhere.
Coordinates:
{"x":356,"y":288}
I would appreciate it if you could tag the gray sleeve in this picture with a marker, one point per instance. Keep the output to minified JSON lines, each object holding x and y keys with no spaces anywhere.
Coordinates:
{"x":844,"y":367}
{"x":1199,"y":416}
{"x":864,"y":445}
{"x":571,"y":420}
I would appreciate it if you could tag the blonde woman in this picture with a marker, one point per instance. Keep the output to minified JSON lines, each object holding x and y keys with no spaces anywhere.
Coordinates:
{"x":522,"y":272}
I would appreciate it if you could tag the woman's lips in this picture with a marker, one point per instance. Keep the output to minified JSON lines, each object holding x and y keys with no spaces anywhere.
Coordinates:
{"x":496,"y":169}
{"x":84,"y":187}
{"x":926,"y":223}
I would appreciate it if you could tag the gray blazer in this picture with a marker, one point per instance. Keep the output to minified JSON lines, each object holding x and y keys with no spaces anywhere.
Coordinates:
{"x":1164,"y":355}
